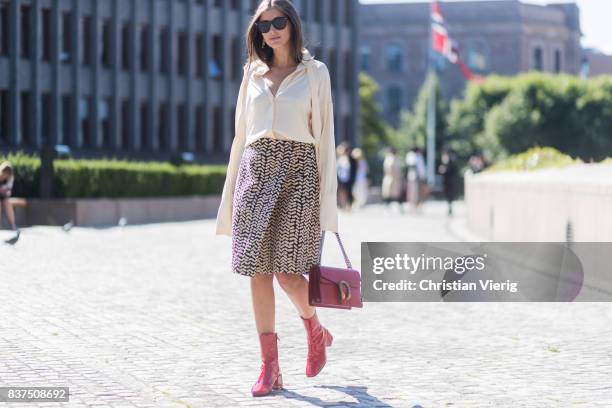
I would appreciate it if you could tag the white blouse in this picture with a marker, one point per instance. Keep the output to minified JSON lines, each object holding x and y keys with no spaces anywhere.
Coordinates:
{"x":287,"y":115}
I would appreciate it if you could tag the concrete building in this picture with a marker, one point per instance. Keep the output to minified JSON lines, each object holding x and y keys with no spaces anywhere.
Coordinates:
{"x":597,"y":63}
{"x":503,"y":37}
{"x":147,"y":78}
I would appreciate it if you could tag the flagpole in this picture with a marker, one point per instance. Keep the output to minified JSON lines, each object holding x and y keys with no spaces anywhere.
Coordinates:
{"x":431,"y":111}
{"x":431,"y":130}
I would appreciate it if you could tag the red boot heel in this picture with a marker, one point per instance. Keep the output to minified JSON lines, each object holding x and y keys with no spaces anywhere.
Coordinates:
{"x":328,"y":341}
{"x":278,"y":384}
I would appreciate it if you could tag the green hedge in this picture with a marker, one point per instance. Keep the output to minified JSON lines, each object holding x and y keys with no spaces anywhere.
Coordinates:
{"x":116,"y":178}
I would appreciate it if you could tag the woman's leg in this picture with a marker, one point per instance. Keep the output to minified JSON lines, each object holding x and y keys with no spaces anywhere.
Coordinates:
{"x":10,"y":213}
{"x":270,"y":377}
{"x":262,"y":294}
{"x":296,"y":287}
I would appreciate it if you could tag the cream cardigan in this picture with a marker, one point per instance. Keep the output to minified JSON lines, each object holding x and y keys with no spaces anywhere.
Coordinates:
{"x":288,"y":115}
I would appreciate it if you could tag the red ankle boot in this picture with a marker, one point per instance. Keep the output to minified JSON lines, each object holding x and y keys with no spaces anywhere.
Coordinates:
{"x":318,"y":338}
{"x":270,"y":376}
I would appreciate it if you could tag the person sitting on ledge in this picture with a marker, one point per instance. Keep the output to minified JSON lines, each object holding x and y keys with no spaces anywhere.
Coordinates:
{"x":6,"y":186}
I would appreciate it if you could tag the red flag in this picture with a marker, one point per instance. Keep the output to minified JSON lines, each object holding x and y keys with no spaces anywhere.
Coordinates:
{"x":444,"y":45}
{"x":439,"y":34}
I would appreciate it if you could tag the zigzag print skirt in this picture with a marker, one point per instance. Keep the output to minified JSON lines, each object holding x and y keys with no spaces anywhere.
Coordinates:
{"x":276,"y":218}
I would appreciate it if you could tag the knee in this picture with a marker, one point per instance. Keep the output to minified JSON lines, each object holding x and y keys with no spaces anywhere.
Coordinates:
{"x":261,"y":279}
{"x":288,"y":282}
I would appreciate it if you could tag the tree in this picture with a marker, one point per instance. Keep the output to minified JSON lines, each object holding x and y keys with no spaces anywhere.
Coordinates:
{"x":375,"y":132}
{"x":413,"y":124}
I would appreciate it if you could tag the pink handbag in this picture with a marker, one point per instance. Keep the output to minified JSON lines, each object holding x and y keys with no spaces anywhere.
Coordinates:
{"x":334,"y":287}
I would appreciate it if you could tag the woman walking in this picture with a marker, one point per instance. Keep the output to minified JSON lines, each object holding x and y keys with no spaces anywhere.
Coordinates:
{"x":361,"y":178}
{"x":392,"y":180}
{"x":281,"y":185}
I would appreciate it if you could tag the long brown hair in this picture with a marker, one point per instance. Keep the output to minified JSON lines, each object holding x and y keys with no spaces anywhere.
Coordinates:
{"x":254,"y":38}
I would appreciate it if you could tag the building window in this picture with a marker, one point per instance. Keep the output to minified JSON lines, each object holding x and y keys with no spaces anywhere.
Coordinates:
{"x":333,"y":68}
{"x":126,"y":46}
{"x":107,"y":43}
{"x":218,"y":3}
{"x":85,"y":120}
{"x":537,"y":59}
{"x":4,"y":29}
{"x":182,"y":53}
{"x":477,"y":56}
{"x":66,"y":116}
{"x":145,"y":36}
{"x":216,"y":70}
{"x":26,"y":122}
{"x":26,"y":29}
{"x":199,"y":55}
{"x":236,"y":63}
{"x":558,"y":62}
{"x":162,"y":128}
{"x":394,"y":57}
{"x":126,"y":124}
{"x":104,"y":117}
{"x":333,"y":15}
{"x":66,"y":52}
{"x":235,"y":4}
{"x":47,"y":35}
{"x":365,"y":53}
{"x":347,"y":128}
{"x":145,"y":130}
{"x":217,"y":136}
{"x":394,"y":101}
{"x":46,"y":113}
{"x":200,"y":116}
{"x":4,"y":116}
{"x":163,"y":50}
{"x":318,"y":11}
{"x":348,"y":75}
{"x":87,"y":40}
{"x":181,"y":114}
{"x":349,"y":13}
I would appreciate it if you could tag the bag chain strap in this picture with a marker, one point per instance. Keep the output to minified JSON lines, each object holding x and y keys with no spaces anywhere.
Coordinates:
{"x":346,"y":259}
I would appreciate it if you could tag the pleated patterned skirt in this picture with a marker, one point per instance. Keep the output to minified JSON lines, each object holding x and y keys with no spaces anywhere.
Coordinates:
{"x":276,"y":218}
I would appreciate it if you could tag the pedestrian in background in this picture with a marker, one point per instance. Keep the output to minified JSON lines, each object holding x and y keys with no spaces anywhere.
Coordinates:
{"x":412,"y":179}
{"x":281,"y":186}
{"x":450,"y":174}
{"x":391,"y":189}
{"x":476,"y":163}
{"x":352,"y":175}
{"x":421,"y":176}
{"x":343,"y":168}
{"x":6,"y":186}
{"x":360,"y":188}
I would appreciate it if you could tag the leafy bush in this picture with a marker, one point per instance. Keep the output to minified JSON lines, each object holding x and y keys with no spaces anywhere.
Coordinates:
{"x":507,"y":115}
{"x":466,"y":119}
{"x":116,"y":178}
{"x":534,"y":159}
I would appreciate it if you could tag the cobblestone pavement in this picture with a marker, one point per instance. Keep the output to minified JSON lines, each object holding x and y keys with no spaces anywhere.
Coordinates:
{"x":151,"y":316}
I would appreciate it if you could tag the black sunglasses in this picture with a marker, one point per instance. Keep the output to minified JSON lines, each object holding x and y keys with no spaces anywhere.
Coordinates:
{"x":278,"y":22}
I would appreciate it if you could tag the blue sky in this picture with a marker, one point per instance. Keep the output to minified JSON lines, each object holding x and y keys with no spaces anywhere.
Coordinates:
{"x":594,"y":14}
